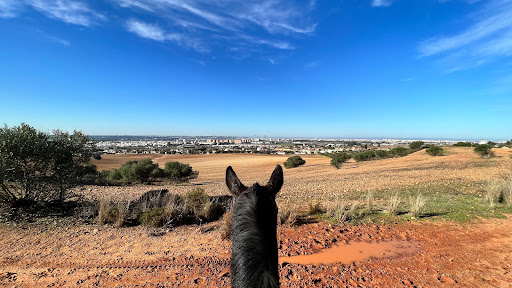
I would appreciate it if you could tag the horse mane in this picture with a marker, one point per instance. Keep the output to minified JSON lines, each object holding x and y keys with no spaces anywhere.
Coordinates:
{"x":254,"y":261}
{"x":249,"y":255}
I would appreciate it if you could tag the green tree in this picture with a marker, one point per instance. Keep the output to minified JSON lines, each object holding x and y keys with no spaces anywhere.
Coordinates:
{"x":484,"y":150}
{"x":179,"y":172}
{"x":399,"y":152}
{"x":339,"y":158}
{"x":463,"y":144}
{"x":39,"y":166}
{"x":435,"y":151}
{"x":416,"y":145}
{"x":138,"y":171}
{"x":294,"y":161}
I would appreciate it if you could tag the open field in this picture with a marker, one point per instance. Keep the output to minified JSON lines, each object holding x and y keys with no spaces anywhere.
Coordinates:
{"x":460,"y":170}
{"x":472,"y":254}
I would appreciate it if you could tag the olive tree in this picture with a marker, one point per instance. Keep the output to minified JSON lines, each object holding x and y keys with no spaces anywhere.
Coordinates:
{"x":39,"y":166}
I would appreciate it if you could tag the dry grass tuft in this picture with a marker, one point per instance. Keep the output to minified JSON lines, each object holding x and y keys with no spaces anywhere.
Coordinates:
{"x":394,"y":204}
{"x":288,"y":214}
{"x":315,"y":208}
{"x":370,"y":202}
{"x":102,"y":211}
{"x":226,"y":225}
{"x":122,"y":213}
{"x":417,"y":205}
{"x":342,"y":211}
{"x":495,"y":192}
{"x":507,"y":192}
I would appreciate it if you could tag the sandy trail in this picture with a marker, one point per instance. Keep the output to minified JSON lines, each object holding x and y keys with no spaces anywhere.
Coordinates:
{"x":472,"y":255}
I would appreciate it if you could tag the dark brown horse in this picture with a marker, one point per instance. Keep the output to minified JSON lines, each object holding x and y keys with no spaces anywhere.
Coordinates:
{"x":254,"y":260}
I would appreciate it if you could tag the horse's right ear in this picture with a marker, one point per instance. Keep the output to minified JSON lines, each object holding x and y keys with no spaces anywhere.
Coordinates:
{"x":276,"y":180}
{"x":234,"y":184}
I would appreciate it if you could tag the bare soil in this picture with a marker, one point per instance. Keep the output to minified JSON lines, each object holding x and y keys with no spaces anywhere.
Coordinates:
{"x":450,"y":255}
{"x":478,"y":254}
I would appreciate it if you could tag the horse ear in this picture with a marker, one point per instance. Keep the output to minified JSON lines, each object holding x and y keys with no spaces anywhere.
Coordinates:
{"x":276,"y":180}
{"x":234,"y":185}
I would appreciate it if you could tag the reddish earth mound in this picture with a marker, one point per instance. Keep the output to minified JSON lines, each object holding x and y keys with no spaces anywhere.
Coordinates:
{"x":449,"y":255}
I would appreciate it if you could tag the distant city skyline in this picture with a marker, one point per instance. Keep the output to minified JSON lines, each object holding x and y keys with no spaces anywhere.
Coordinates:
{"x":391,"y":69}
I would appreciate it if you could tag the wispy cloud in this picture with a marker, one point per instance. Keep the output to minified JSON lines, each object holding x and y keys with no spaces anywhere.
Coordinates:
{"x":69,"y":11}
{"x":245,"y":27}
{"x":154,"y":32}
{"x":61,"y":41}
{"x":145,"y":30}
{"x":381,"y":3}
{"x":311,"y":65}
{"x":9,"y":8}
{"x":489,"y":36}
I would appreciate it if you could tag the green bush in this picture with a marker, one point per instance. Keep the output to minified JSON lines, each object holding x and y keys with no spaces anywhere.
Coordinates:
{"x":381,"y":153}
{"x":294,"y":161}
{"x":364,"y":155}
{"x":138,"y":171}
{"x":416,"y":145}
{"x":435,"y":151}
{"x":153,"y":217}
{"x":399,"y":152}
{"x":484,"y":150}
{"x":39,"y":166}
{"x":463,"y":144}
{"x":339,"y":158}
{"x":195,"y":200}
{"x":179,"y":172}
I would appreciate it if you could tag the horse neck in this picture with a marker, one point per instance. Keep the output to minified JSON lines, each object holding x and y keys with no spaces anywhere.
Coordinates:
{"x":254,"y":258}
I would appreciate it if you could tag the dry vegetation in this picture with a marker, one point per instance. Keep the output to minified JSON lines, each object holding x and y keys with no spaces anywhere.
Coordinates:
{"x":417,"y":185}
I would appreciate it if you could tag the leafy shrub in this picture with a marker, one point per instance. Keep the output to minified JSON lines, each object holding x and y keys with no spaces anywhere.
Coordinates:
{"x":463,"y":144}
{"x":138,"y":171}
{"x":195,"y":200}
{"x":484,"y":150}
{"x":416,"y":145}
{"x":399,"y":152}
{"x":364,"y":155}
{"x":381,"y":153}
{"x":434,"y":151}
{"x":153,"y":217}
{"x":339,"y":158}
{"x":179,"y":172}
{"x":294,"y":161}
{"x":38,"y":166}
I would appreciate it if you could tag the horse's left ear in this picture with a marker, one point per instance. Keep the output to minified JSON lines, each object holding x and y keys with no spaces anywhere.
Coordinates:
{"x":234,"y":184}
{"x":276,"y":180}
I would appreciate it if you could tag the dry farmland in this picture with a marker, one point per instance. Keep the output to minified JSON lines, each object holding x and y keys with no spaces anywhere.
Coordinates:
{"x":449,"y":251}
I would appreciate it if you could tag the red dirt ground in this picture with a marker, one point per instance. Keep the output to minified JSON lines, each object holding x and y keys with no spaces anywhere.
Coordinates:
{"x":451,"y":255}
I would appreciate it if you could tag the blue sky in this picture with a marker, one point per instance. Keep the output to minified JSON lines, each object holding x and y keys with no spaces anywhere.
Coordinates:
{"x":347,"y":68}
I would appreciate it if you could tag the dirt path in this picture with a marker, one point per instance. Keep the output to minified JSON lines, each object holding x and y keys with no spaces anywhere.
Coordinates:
{"x":451,"y":255}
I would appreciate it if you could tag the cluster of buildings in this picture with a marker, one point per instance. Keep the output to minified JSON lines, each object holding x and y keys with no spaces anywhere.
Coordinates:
{"x":210,"y":145}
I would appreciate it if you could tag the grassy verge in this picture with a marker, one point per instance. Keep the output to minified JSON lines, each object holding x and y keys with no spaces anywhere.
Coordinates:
{"x":435,"y":203}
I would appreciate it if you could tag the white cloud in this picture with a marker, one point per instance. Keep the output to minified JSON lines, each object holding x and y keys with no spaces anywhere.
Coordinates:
{"x":381,"y":3}
{"x":246,"y":26}
{"x":488,"y":36}
{"x":68,"y":11}
{"x":146,"y":30}
{"x":155,"y":32}
{"x":9,"y":8}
